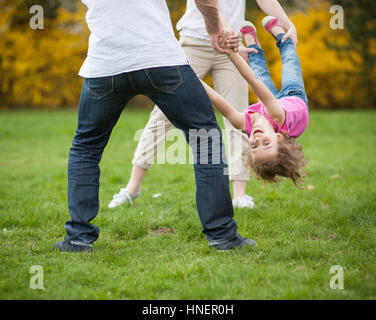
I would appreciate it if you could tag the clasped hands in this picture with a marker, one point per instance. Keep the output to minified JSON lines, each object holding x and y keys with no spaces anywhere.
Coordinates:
{"x":227,"y":42}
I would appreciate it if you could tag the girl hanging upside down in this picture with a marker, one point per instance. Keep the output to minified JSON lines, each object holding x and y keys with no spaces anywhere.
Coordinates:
{"x":274,"y":123}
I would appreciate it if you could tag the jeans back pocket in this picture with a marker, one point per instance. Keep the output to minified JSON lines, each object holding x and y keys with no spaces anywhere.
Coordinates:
{"x":166,"y":79}
{"x":101,"y":87}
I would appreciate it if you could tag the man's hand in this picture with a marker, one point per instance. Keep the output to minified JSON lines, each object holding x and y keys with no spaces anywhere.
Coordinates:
{"x":217,"y":27}
{"x":225,"y":41}
{"x":228,"y":41}
{"x":219,"y":39}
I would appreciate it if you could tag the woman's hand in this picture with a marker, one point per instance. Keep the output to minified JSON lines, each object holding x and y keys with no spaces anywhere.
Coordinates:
{"x":290,"y":33}
{"x":273,"y":8}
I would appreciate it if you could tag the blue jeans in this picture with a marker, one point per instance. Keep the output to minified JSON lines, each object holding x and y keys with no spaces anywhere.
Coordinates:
{"x":292,"y":79}
{"x":180,"y":95}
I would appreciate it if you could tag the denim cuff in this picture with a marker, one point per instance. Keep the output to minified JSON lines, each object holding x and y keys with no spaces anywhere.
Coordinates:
{"x":220,"y":241}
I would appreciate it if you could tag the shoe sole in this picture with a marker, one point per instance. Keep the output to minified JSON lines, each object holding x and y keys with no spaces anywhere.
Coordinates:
{"x":249,"y":24}
{"x":266,"y":20}
{"x":75,"y":248}
{"x":250,"y":244}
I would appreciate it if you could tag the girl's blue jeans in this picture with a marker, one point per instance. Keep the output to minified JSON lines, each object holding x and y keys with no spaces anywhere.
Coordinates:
{"x":292,"y":79}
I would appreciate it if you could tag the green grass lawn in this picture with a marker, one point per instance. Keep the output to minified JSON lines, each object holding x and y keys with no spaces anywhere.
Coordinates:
{"x":300,"y":233}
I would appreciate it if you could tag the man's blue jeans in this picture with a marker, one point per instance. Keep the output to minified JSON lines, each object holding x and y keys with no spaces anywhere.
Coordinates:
{"x":292,"y":79}
{"x":181,"y":96}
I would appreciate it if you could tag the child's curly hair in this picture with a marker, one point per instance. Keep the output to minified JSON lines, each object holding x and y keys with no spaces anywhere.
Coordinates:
{"x":288,"y":163}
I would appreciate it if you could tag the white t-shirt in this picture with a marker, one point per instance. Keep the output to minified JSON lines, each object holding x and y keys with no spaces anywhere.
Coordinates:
{"x":192,"y":23}
{"x":129,"y":35}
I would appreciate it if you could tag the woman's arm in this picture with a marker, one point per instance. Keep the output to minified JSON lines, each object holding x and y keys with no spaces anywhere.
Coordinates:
{"x":273,"y":8}
{"x":272,"y":106}
{"x":236,"y":118}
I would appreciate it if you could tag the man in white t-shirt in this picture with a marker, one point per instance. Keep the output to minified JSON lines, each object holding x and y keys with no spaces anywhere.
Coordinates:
{"x":132,"y":50}
{"x":227,"y":81}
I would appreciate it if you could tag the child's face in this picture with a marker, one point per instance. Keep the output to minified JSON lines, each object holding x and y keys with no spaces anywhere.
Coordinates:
{"x":263,"y":140}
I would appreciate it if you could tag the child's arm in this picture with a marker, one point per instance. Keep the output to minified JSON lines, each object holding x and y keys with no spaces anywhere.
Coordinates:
{"x":272,"y":106}
{"x":236,"y":118}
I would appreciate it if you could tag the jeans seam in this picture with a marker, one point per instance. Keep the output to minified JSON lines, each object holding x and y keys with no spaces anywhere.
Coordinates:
{"x":131,"y":81}
{"x":79,"y":243}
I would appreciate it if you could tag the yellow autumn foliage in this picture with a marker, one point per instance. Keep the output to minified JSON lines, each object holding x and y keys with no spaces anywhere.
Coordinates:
{"x":326,"y":72}
{"x":39,"y":68}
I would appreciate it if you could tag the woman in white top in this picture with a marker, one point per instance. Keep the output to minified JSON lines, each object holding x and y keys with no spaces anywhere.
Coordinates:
{"x":227,"y":81}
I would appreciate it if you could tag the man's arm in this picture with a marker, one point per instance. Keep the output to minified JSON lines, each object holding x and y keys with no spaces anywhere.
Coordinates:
{"x":215,"y":26}
{"x":273,"y":8}
{"x":272,"y":106}
{"x":235,"y":117}
{"x":209,"y":9}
